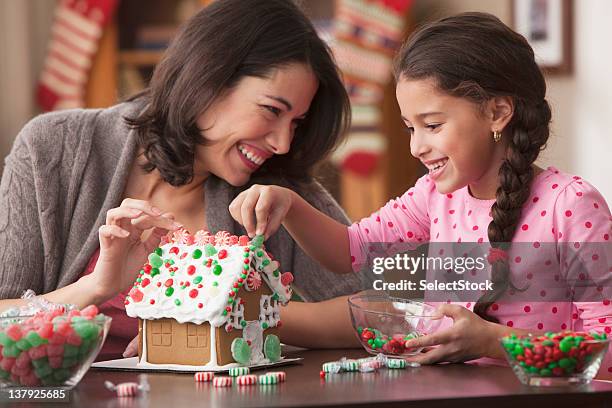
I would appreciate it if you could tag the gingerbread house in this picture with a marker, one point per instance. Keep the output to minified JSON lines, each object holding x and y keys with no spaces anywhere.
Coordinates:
{"x":209,"y":301}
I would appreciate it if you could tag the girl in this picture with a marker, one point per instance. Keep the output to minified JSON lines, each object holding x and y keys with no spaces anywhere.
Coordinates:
{"x":473,"y":100}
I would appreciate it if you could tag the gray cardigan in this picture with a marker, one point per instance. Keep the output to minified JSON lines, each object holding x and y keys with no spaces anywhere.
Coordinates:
{"x":67,"y":169}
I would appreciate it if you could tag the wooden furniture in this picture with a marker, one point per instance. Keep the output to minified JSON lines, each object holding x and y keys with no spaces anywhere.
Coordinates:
{"x":458,"y":385}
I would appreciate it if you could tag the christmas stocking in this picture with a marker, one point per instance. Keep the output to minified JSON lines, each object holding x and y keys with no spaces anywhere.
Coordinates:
{"x":367,"y":33}
{"x":75,"y":34}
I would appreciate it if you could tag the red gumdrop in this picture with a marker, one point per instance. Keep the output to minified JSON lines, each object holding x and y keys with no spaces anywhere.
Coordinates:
{"x":45,"y":330}
{"x":29,"y":380}
{"x":23,"y":360}
{"x":14,"y":332}
{"x":74,"y":339}
{"x":135,"y":294}
{"x":91,"y":311}
{"x":222,"y":254}
{"x":38,"y":352}
{"x":243,"y":240}
{"x":74,"y":313}
{"x":64,"y":329}
{"x":286,"y":278}
{"x":15,"y":378}
{"x":7,"y":363}
{"x":55,"y":350}
{"x":57,"y":339}
{"x":322,"y":374}
{"x":367,"y":335}
{"x":56,"y":361}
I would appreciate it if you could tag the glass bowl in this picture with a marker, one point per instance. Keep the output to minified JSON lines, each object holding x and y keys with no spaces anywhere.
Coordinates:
{"x":555,"y":359}
{"x":52,"y":350}
{"x":383,"y":324}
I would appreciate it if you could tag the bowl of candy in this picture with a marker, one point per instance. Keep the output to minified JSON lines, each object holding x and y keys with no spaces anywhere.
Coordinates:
{"x":51,"y":348}
{"x":556,"y":359}
{"x":384,"y":324}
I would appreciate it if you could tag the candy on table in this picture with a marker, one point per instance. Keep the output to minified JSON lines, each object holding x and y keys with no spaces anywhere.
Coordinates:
{"x":249,"y":379}
{"x":369,"y":366}
{"x":238,"y":371}
{"x":129,"y":389}
{"x":376,"y":340}
{"x":349,"y":364}
{"x":553,"y":354}
{"x":332,"y":367}
{"x":280,"y":375}
{"x":204,"y":376}
{"x":396,"y":363}
{"x":267,"y":379}
{"x":222,"y":381}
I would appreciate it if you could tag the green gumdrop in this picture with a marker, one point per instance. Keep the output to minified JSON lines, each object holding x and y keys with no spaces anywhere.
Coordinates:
{"x":565,"y":346}
{"x":241,"y":351}
{"x":258,"y":241}
{"x":43,"y":371}
{"x":48,"y":380}
{"x":209,"y":250}
{"x":5,"y":340}
{"x":155,"y":260}
{"x":85,"y":346}
{"x":69,"y":362}
{"x":272,"y":349}
{"x":86,"y":330}
{"x":11,"y":351}
{"x":34,"y":339}
{"x":197,"y":254}
{"x":41,"y":362}
{"x":566,"y":363}
{"x":4,"y":374}
{"x":518,"y":350}
{"x":23,"y":345}
{"x":70,"y":350}
{"x":61,"y":374}
{"x":545,"y":372}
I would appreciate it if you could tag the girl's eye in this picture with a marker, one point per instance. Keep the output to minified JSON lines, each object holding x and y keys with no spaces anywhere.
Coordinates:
{"x":276,"y":111}
{"x":409,"y":130}
{"x":433,"y":126}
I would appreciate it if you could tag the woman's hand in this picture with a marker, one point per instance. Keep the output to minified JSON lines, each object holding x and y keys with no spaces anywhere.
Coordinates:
{"x":132,"y":348}
{"x":132,"y":231}
{"x":469,"y":338}
{"x":261,"y":209}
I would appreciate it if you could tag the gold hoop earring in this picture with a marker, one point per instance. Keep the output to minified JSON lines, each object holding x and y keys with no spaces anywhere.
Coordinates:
{"x":496,"y":136}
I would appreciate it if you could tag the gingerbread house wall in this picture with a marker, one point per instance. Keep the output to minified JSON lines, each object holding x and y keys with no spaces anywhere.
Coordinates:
{"x":170,"y":342}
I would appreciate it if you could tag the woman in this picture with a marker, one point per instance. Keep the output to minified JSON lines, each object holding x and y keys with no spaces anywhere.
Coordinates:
{"x":247,"y":92}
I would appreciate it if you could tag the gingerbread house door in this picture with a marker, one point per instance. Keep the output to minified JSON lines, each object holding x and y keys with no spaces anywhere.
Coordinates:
{"x":253,"y":333}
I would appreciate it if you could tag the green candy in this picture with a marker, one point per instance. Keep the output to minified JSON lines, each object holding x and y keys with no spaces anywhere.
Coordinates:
{"x":43,"y":371}
{"x":209,"y":250}
{"x":177,"y":302}
{"x":567,"y":363}
{"x":518,"y":350}
{"x":548,"y":343}
{"x":197,"y":279}
{"x":545,"y":372}
{"x":169,"y":291}
{"x":272,"y":349}
{"x":241,"y":352}
{"x":85,"y":346}
{"x":197,"y":254}
{"x":565,"y":346}
{"x":86,"y":330}
{"x":259,"y":253}
{"x":69,"y":361}
{"x":41,"y":362}
{"x":11,"y":351}
{"x":70,"y":350}
{"x":5,"y":340}
{"x":258,"y":241}
{"x":4,"y":374}
{"x":276,"y":273}
{"x":23,"y":345}
{"x":243,"y":323}
{"x":79,"y":319}
{"x":217,"y":270}
{"x":61,"y":374}
{"x":264,"y":325}
{"x":552,"y":365}
{"x":155,"y":260}
{"x":154,"y":272}
{"x":266,"y":262}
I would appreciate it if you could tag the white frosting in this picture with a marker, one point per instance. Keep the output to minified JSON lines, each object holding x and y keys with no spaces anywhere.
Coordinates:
{"x":214,"y":292}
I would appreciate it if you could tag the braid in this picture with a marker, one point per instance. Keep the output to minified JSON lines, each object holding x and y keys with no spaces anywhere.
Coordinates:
{"x":529,"y":135}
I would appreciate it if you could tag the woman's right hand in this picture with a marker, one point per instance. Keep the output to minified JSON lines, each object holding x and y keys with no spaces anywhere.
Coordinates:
{"x":132,"y":231}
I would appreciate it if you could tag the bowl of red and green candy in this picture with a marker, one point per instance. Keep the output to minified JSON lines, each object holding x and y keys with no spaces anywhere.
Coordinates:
{"x":53,"y":348}
{"x":384,"y":324}
{"x":556,"y":359}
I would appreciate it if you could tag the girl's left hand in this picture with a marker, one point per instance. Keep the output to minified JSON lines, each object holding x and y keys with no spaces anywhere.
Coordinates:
{"x":469,"y":338}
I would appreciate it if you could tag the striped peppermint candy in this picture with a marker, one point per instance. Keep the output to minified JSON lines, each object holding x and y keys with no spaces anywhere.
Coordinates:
{"x":222,"y":381}
{"x":249,"y":379}
{"x":253,"y":281}
{"x":280,"y":375}
{"x":204,"y":376}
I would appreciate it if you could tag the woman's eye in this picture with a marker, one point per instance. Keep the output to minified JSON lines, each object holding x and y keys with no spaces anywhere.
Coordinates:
{"x":433,"y":126}
{"x":272,"y":109}
{"x":409,"y":130}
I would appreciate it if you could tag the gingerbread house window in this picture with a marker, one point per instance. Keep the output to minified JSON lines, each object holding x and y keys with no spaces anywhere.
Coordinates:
{"x":236,"y":315}
{"x":269,"y":310}
{"x":161,"y":333}
{"x":196,"y":336}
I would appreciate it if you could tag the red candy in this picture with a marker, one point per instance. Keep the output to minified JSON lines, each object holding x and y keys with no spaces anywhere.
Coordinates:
{"x":14,"y":332}
{"x":38,"y":352}
{"x":55,"y":350}
{"x":90,"y":311}
{"x":222,"y":254}
{"x":45,"y":330}
{"x":7,"y":363}
{"x":243,"y":240}
{"x":56,"y":361}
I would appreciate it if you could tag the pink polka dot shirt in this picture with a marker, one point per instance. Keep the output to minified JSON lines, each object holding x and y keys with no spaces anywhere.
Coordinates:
{"x":561,"y":209}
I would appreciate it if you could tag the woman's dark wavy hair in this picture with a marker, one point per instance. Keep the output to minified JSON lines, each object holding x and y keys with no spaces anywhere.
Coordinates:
{"x":214,"y":50}
{"x":476,"y":56}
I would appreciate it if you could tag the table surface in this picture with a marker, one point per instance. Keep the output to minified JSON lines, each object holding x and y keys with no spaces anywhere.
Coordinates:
{"x":426,"y":386}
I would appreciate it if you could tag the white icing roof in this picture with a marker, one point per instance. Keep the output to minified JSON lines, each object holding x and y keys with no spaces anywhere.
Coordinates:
{"x":181,"y":282}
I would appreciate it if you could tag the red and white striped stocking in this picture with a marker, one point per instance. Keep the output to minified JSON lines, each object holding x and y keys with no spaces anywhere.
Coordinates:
{"x":75,"y":36}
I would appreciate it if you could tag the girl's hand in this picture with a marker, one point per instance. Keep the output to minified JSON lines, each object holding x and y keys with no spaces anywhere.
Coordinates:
{"x":261,"y":209}
{"x":469,"y":338}
{"x":131,"y":233}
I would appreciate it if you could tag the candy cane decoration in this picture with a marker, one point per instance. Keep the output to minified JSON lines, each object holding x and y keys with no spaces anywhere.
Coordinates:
{"x":128,"y":389}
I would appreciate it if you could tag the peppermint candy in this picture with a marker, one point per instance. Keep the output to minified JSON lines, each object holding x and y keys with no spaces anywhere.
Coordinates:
{"x":223,"y":238}
{"x":204,"y":376}
{"x":203,"y":237}
{"x":182,"y":236}
{"x":250,"y":379}
{"x":238,"y":371}
{"x":253,"y":281}
{"x":222,"y":381}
